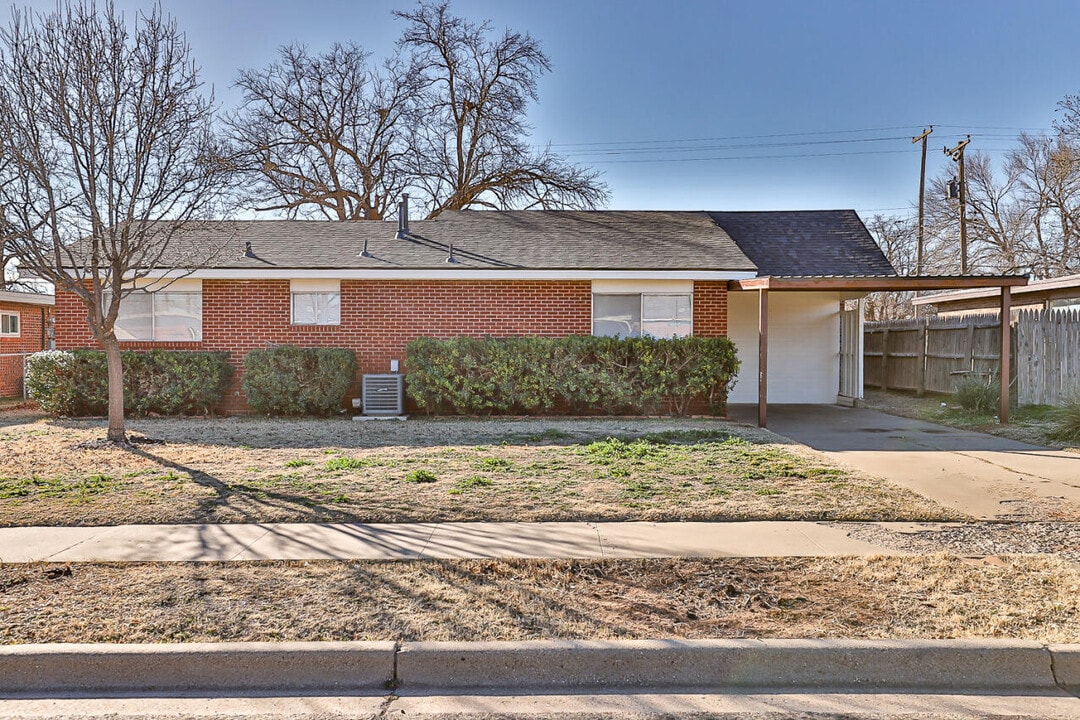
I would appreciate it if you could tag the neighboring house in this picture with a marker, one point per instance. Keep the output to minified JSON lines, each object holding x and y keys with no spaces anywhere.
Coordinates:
{"x":1062,"y":292}
{"x":365,"y":287}
{"x":23,"y":330}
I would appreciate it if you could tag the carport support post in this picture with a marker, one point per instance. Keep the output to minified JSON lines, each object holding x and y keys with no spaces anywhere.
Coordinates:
{"x":763,"y":356}
{"x":1006,"y":351}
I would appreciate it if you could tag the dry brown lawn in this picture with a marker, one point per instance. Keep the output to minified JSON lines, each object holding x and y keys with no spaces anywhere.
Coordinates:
{"x":938,"y":596}
{"x":257,"y":470}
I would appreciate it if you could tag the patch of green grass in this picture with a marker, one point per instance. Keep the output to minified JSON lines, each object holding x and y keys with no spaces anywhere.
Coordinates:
{"x":687,"y":436}
{"x":56,"y":487}
{"x":548,"y":435}
{"x":605,"y":451}
{"x":753,"y":462}
{"x":1066,"y":421}
{"x":298,"y":462}
{"x":641,"y":489}
{"x":1033,"y":413}
{"x":493,"y":464}
{"x":346,"y":463}
{"x":469,"y":483}
{"x":421,"y":476}
{"x":768,"y":491}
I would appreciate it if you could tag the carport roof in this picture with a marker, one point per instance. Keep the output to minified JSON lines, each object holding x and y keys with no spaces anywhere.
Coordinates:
{"x":877,"y":283}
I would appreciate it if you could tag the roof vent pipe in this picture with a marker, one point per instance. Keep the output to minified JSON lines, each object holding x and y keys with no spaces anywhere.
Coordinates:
{"x":450,"y":258}
{"x":248,"y":252}
{"x":403,"y":217}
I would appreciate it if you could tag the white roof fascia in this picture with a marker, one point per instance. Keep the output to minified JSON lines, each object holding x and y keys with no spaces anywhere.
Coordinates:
{"x":26,"y":298}
{"x":457,"y":274}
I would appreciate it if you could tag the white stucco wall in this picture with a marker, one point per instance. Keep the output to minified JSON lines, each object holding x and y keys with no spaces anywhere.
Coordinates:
{"x":804,"y":346}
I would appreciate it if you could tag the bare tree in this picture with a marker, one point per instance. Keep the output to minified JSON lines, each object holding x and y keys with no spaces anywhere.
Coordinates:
{"x":110,"y":153}
{"x":324,"y":134}
{"x":898,"y":238}
{"x":470,"y":145}
{"x":998,"y":221}
{"x":1048,"y":177}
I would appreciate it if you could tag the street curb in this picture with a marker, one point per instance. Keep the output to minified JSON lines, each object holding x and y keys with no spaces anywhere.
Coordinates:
{"x":898,"y":664}
{"x":1066,"y":664}
{"x":302,"y":666}
{"x":941,"y":665}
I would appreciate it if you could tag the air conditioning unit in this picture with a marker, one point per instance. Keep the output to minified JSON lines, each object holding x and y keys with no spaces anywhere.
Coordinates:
{"x":383,"y":394}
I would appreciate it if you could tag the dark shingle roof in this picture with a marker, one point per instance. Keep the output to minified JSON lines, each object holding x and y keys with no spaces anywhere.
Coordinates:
{"x":805,"y":242}
{"x":527,"y":239}
{"x":779,"y":243}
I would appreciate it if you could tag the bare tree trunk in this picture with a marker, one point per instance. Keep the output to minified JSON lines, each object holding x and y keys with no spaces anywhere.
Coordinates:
{"x":117,"y":432}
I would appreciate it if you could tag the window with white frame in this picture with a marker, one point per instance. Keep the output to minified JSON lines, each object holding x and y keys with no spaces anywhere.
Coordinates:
{"x":9,"y":324}
{"x":316,"y":302}
{"x":172,"y":314}
{"x":658,"y":315}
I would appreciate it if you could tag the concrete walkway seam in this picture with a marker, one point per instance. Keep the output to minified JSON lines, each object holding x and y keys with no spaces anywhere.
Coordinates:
{"x":1065,"y":662}
{"x":571,"y":665}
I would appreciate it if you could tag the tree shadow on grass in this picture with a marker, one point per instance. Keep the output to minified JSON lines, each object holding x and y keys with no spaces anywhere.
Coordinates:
{"x":238,"y":502}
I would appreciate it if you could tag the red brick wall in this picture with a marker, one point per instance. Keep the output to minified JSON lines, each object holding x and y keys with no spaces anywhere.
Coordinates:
{"x":710,"y":308}
{"x":29,"y":340}
{"x":378,"y":317}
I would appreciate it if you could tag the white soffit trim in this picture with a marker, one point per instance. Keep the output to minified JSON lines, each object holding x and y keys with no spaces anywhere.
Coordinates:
{"x":184,"y":284}
{"x":461,"y":274}
{"x":26,"y":298}
{"x":615,"y":287}
{"x":315,"y":285}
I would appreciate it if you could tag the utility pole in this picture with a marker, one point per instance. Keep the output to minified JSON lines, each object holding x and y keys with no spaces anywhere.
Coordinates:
{"x":957,"y":154}
{"x":922,"y":197}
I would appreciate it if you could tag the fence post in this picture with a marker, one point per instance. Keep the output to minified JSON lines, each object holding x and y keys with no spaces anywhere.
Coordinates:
{"x":920,"y":378}
{"x":885,"y":359}
{"x":970,"y":349}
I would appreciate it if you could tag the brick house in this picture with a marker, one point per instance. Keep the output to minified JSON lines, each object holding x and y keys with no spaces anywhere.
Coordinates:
{"x":24,"y":320}
{"x":365,"y":287}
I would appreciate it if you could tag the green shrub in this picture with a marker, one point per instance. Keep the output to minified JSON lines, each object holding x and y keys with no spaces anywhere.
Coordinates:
{"x":1067,"y":421}
{"x":50,"y":379}
{"x":978,"y":396}
{"x":576,"y":374}
{"x":165,"y":382}
{"x":288,"y":380}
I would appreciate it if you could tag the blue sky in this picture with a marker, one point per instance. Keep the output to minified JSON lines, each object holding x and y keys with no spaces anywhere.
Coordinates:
{"x":708,"y":104}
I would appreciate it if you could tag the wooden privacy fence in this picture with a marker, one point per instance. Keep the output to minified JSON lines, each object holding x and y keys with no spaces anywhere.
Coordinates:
{"x":1047,"y":345}
{"x":932,"y":355}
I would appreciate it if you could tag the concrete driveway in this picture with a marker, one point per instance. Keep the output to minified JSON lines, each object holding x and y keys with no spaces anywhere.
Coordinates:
{"x":988,"y":477}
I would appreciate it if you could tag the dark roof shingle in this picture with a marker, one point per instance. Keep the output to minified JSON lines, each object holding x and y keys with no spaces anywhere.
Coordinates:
{"x":805,"y":242}
{"x":526,"y":239}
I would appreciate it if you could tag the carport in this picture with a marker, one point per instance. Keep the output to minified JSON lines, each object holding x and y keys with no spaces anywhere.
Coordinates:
{"x":851,"y":327}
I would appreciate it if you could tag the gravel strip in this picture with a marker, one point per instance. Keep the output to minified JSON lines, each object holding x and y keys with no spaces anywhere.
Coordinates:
{"x":1019,"y":538}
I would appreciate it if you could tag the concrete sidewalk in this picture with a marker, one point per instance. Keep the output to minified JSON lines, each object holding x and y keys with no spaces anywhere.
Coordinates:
{"x":408,"y":541}
{"x":985,"y":476}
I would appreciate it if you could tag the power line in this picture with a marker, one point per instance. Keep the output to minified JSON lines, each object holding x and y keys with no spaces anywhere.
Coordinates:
{"x":747,"y":146}
{"x":735,"y":137}
{"x":784,"y":156}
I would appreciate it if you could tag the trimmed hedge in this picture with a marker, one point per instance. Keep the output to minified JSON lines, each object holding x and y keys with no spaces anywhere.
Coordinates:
{"x":164,"y":382}
{"x":579,"y":374}
{"x":288,"y":380}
